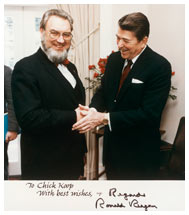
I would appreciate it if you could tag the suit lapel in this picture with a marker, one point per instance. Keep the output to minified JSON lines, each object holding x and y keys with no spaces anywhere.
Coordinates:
{"x":116,"y":75}
{"x":79,"y":83}
{"x":137,"y":67}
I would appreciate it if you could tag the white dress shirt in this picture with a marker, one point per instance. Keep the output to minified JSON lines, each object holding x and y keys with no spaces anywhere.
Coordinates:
{"x":67,"y":74}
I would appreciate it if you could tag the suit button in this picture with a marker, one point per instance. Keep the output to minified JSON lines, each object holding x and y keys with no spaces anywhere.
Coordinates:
{"x":115,"y":100}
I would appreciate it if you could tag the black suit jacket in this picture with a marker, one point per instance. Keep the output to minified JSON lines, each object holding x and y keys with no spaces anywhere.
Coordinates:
{"x":44,"y":104}
{"x":8,"y":103}
{"x":135,"y":113}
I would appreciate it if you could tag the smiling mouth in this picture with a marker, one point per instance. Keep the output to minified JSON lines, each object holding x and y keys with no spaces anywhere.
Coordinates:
{"x":124,"y":51}
{"x":59,"y":47}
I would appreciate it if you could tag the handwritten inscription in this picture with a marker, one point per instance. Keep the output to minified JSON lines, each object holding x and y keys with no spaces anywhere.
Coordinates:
{"x":58,"y":189}
{"x":101,"y":203}
{"x":130,"y":200}
{"x":113,"y":192}
{"x":106,"y":199}
{"x":51,"y":185}
{"x":135,"y":203}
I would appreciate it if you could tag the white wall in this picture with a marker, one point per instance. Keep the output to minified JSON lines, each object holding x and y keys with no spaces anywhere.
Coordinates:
{"x":26,"y":38}
{"x":166,"y":37}
{"x":13,"y":36}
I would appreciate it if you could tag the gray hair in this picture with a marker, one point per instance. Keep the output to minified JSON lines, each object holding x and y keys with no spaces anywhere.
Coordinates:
{"x":55,"y":12}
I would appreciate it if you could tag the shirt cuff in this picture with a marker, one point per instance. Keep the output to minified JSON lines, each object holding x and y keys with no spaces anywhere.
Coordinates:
{"x":92,"y":108}
{"x":109,"y":123}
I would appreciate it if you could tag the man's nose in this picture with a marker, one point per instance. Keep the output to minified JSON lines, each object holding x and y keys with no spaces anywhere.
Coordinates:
{"x":60,"y":39}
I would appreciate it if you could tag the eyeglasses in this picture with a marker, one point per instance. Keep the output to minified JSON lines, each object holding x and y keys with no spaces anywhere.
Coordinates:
{"x":56,"y":34}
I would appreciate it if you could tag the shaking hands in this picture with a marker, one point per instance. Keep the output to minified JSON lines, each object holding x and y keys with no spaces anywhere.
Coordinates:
{"x":88,"y":118}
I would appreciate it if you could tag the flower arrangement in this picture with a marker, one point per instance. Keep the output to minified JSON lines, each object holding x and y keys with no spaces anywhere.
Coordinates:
{"x":98,"y":72}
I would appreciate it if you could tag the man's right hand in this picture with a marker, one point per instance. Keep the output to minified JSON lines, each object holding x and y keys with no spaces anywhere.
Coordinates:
{"x":80,"y":113}
{"x":90,"y":119}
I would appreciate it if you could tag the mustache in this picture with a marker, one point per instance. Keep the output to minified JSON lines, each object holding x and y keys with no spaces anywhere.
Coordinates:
{"x":59,"y":44}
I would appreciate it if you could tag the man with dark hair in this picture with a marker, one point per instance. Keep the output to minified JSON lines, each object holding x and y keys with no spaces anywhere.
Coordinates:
{"x":133,"y":93}
{"x":46,"y":91}
{"x":137,"y":23}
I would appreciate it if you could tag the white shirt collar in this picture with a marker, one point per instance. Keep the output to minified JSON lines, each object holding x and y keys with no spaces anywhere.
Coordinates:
{"x":135,"y":58}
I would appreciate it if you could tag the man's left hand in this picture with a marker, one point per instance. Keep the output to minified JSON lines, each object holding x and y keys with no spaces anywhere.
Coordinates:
{"x":10,"y":135}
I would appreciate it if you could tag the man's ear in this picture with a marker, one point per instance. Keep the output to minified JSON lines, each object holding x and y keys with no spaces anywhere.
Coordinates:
{"x":144,"y":41}
{"x":41,"y":31}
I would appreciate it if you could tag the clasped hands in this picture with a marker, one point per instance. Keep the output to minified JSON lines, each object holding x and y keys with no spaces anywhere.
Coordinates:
{"x":87,"y":119}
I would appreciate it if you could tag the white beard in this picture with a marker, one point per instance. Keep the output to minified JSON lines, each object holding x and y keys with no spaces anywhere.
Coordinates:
{"x":54,"y":56}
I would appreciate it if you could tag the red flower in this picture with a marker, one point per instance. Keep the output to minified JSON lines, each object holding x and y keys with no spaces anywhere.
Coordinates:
{"x":102,"y":62}
{"x":173,"y":73}
{"x":102,"y":70}
{"x":96,"y":75}
{"x":92,"y":67}
{"x":66,"y":62}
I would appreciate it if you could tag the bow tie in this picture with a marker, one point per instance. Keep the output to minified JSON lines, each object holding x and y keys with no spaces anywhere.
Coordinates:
{"x":66,"y":62}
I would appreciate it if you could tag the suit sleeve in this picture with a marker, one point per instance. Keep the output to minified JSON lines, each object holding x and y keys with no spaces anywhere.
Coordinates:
{"x":99,"y":99}
{"x":155,"y":96}
{"x":28,"y":104}
{"x":12,"y":122}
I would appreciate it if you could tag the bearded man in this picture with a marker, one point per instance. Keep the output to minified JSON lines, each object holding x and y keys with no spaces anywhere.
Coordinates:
{"x":46,"y":91}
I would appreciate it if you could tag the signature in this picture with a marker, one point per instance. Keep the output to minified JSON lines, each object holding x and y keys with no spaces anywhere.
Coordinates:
{"x":135,"y":203}
{"x":113,"y":192}
{"x":100,"y":203}
{"x":127,"y":200}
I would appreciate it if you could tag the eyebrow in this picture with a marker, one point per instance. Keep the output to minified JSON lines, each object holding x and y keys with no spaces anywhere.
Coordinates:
{"x":60,"y":31}
{"x":122,"y":38}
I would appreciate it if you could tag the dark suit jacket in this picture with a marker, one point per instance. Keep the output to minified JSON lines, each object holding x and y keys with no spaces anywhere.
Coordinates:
{"x":44,"y":105}
{"x":8,"y":103}
{"x":135,"y":113}
{"x":8,"y":107}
